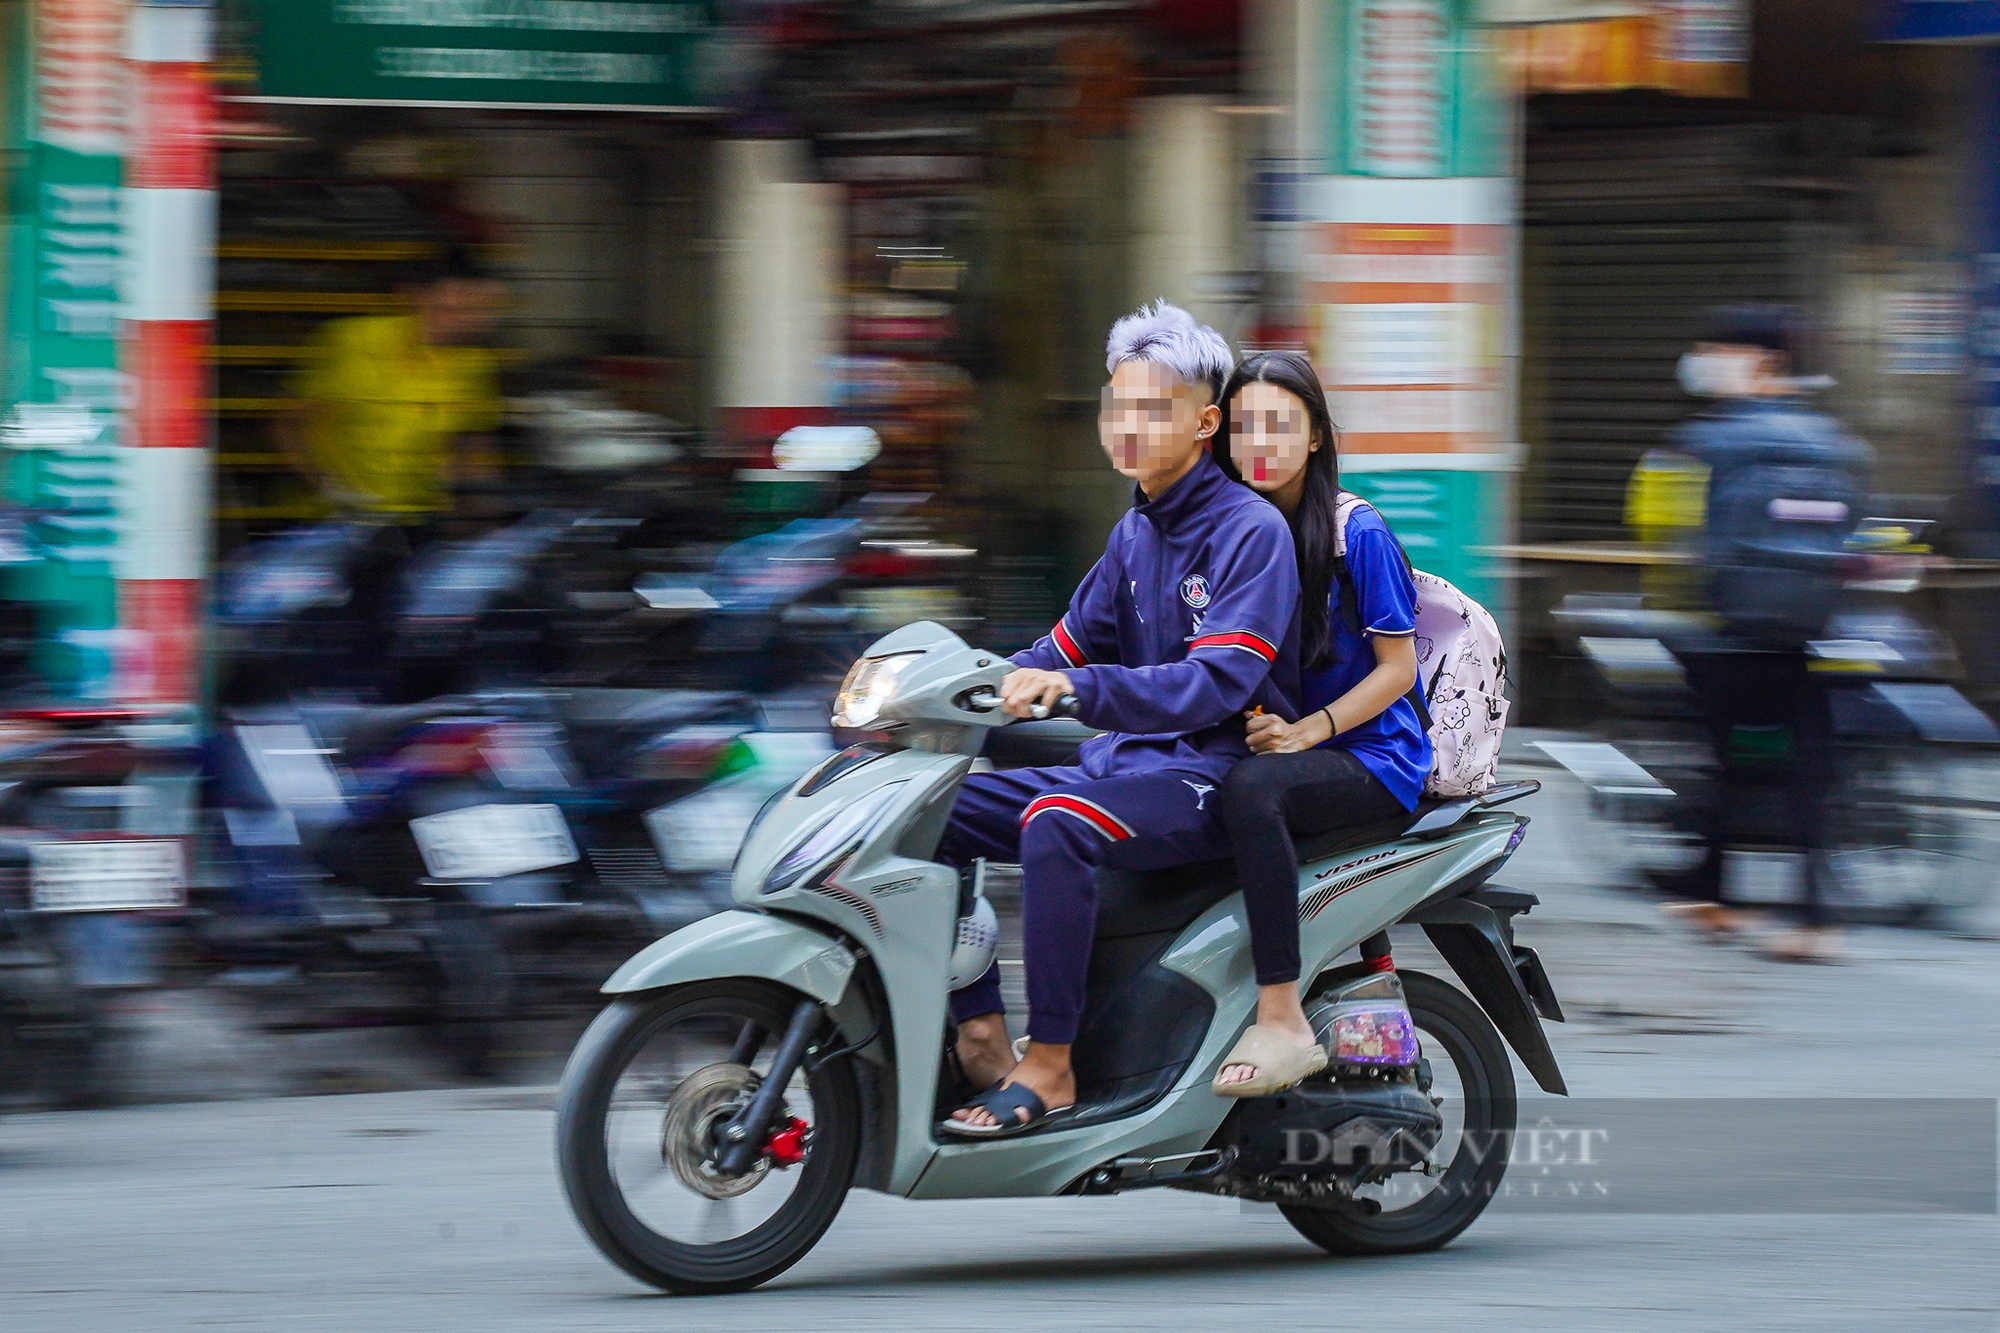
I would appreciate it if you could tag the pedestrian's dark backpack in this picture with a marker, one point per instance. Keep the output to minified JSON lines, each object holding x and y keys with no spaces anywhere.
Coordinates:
{"x":1777,"y":527}
{"x":1460,"y":694}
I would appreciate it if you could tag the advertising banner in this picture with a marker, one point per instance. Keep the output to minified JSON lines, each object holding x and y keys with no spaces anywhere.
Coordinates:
{"x":1414,"y":96}
{"x":1699,"y":48}
{"x":64,"y":385}
{"x":1408,"y":276}
{"x":639,"y":54}
{"x":1937,"y":21}
{"x":1409,"y":290}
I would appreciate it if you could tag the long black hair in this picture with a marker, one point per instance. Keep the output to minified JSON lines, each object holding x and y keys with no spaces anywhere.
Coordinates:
{"x":1312,"y":522}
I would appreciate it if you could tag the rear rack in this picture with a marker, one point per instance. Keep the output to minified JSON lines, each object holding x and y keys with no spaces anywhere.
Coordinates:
{"x":1451,"y":813}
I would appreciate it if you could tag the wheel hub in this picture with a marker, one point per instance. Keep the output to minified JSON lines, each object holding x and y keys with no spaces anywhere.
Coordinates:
{"x":691,"y":1133}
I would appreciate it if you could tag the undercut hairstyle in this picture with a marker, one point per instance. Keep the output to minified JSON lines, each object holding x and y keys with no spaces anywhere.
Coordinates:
{"x":1312,"y":522}
{"x":1167,"y":335}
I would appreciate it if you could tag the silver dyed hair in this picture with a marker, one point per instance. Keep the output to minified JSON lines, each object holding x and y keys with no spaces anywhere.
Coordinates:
{"x":1167,"y":335}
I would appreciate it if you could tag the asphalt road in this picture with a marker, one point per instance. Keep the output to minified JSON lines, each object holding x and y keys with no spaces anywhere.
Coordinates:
{"x":439,"y":1209}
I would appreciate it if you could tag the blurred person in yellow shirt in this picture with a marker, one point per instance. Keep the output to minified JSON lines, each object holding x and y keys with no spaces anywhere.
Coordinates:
{"x":1666,"y":508}
{"x":391,"y":407}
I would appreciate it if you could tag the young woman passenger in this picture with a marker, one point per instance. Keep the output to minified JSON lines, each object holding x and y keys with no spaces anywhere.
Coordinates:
{"x":1358,"y":754}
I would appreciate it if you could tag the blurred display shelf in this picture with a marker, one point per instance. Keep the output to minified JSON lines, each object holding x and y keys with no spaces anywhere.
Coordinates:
{"x":314,"y":303}
{"x":249,"y":355}
{"x":254,"y":460}
{"x":360,"y":251}
{"x":250,"y":407}
{"x":278,"y":355}
{"x":282,"y":513}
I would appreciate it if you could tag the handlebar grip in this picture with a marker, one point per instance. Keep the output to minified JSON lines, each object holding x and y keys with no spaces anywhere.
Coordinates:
{"x":986,"y":701}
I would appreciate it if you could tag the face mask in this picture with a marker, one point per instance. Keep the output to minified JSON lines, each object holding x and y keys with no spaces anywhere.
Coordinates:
{"x":1716,"y":375}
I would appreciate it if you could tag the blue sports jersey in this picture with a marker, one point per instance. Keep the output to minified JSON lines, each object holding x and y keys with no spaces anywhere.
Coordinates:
{"x":1393,"y":746}
{"x":1190,"y":619}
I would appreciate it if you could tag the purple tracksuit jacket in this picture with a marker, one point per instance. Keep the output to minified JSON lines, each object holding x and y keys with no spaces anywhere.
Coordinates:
{"x":1190,"y":619}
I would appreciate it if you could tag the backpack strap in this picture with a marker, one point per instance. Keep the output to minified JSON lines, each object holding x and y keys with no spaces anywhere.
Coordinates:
{"x":1345,"y":503}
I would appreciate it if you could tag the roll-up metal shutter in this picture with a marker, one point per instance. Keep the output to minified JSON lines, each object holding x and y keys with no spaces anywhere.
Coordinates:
{"x":1629,"y":236}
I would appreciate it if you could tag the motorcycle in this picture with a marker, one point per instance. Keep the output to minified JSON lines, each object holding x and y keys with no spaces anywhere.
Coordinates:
{"x":1908,"y":750}
{"x":478,"y":858}
{"x":752,"y":1068}
{"x":50,"y":1025}
{"x":92,"y":878}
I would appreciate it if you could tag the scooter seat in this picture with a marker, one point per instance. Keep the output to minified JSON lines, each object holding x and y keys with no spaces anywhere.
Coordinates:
{"x":1150,"y":902}
{"x":360,"y":729}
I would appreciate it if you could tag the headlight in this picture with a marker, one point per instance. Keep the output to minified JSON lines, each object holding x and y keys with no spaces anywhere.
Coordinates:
{"x":870,"y":685}
{"x":841,"y":833}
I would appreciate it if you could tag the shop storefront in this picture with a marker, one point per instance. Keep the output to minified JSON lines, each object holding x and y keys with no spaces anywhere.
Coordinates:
{"x":201,"y":187}
{"x":567,"y":145}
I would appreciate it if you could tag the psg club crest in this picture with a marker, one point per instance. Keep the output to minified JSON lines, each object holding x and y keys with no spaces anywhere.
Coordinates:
{"x":1194,"y":591}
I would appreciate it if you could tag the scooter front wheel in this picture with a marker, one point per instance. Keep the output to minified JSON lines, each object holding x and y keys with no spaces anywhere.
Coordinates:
{"x":643,"y":1102}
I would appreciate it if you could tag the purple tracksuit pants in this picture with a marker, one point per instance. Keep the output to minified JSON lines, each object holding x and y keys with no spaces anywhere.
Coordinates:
{"x":1060,"y":825}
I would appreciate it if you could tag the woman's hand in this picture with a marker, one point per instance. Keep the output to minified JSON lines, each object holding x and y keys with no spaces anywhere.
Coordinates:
{"x":1270,"y":734}
{"x":1021,"y":690}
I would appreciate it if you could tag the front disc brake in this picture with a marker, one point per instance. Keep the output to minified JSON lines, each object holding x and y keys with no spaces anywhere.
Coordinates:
{"x":691,"y":1135}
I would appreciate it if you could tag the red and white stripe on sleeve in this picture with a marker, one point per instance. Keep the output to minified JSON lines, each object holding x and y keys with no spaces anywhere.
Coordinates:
{"x":1243,"y":640}
{"x":1066,"y":644}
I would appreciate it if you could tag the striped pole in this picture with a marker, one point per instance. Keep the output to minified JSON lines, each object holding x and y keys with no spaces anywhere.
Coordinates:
{"x":170,"y":223}
{"x":779,"y":281}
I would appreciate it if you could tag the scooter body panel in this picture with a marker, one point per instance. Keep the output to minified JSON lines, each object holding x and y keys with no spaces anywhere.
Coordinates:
{"x":1343,"y":900}
{"x":896,"y":906}
{"x":741,"y":944}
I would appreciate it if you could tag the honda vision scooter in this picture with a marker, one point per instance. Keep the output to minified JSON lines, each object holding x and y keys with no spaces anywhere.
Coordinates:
{"x":755,"y":1066}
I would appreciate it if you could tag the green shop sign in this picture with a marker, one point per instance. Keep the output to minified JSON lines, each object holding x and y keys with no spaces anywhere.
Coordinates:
{"x":642,"y":54}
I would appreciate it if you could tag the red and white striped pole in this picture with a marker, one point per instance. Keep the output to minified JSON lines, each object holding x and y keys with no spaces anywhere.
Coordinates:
{"x":170,"y":227}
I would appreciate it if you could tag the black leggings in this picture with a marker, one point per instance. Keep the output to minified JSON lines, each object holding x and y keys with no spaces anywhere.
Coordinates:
{"x":1265,"y":800}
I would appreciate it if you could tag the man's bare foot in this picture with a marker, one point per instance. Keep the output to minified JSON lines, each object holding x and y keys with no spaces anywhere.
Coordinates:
{"x":1045,"y":1071}
{"x":984,"y":1052}
{"x":1279,"y":1009}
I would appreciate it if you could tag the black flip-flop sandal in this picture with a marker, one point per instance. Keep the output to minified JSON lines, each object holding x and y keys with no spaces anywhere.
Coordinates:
{"x":1001,"y":1102}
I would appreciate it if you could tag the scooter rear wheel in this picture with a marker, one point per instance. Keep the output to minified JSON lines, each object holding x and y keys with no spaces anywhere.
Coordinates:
{"x":647,"y":1085}
{"x":1480,"y":1111}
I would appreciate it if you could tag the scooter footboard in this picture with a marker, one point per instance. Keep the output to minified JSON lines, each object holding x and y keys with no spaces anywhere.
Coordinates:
{"x":1474,"y":939}
{"x":741,"y":944}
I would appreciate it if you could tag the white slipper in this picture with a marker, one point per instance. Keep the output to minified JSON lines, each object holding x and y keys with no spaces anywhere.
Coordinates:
{"x":1280,"y":1063}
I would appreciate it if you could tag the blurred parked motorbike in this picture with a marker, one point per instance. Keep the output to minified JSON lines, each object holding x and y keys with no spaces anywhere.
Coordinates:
{"x":1908,"y":747}
{"x":473,"y":859}
{"x":92,"y":869}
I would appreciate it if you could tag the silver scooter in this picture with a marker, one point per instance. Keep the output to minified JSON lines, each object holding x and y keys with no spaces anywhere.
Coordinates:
{"x":755,"y":1066}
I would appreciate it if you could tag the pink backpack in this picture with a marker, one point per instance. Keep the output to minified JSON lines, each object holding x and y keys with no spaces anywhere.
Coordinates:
{"x":1461,"y":674}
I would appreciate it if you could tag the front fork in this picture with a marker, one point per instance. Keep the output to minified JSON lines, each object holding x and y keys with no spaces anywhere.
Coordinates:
{"x":743,"y":1137}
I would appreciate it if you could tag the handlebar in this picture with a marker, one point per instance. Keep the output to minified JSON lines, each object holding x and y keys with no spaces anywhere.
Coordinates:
{"x":985,"y":701}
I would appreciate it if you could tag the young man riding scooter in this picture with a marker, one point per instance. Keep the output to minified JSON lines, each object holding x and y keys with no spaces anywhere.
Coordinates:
{"x":1188,"y":621}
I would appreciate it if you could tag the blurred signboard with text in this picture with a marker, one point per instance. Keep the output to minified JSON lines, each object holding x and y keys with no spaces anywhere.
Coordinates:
{"x":636,"y":54}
